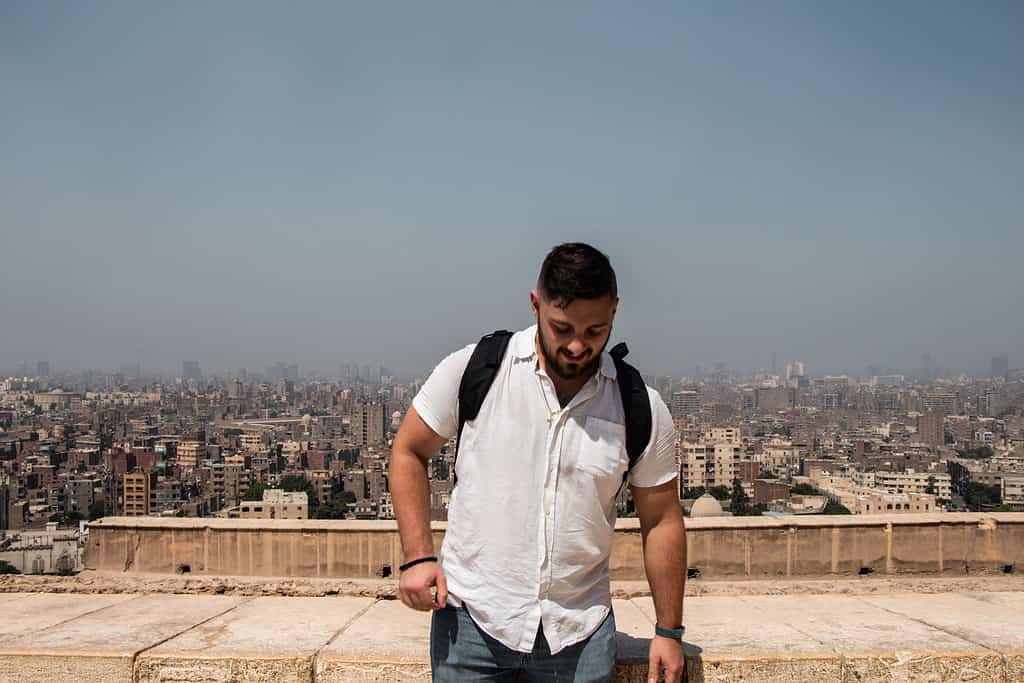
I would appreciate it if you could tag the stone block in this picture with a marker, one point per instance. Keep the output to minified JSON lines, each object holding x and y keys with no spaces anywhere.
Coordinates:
{"x":269,"y":639}
{"x":101,"y":645}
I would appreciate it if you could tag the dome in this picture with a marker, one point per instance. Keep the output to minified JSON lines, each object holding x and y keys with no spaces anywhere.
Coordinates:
{"x":706,"y":506}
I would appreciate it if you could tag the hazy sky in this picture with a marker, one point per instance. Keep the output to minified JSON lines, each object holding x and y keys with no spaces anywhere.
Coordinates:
{"x":239,"y":183}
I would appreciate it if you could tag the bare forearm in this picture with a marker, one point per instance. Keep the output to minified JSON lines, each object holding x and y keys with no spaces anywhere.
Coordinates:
{"x":665,"y":564}
{"x":411,"y":498}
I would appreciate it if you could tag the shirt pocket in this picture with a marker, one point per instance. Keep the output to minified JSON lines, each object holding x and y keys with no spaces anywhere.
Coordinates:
{"x":602,"y":447}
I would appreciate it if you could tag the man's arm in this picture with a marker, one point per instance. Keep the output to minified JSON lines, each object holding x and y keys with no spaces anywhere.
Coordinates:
{"x":413,"y":447}
{"x":664,"y":540}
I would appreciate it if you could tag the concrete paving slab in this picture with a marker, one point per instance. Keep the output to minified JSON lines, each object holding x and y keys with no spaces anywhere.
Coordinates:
{"x":851,"y":625}
{"x":101,"y":645}
{"x":270,"y":639}
{"x":990,"y":621}
{"x":634,"y":630}
{"x":388,"y":642}
{"x":731,"y":626}
{"x":27,"y":612}
{"x":875,"y":642}
{"x":727,"y":639}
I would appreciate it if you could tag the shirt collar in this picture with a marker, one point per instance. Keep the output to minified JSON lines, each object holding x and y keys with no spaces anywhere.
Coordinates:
{"x":524,"y":347}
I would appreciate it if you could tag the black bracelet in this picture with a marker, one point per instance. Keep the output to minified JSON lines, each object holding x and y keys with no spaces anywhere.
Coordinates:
{"x":413,"y":563}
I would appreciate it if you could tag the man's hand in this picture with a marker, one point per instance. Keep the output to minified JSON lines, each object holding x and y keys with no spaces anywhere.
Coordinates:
{"x":416,"y":587}
{"x":666,"y":655}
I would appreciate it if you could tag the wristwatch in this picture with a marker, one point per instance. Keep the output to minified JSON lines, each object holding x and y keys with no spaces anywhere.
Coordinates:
{"x":673,"y":633}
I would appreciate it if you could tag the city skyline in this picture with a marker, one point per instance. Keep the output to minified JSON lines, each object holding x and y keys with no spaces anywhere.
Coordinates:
{"x":837,"y":184}
{"x":927,"y":369}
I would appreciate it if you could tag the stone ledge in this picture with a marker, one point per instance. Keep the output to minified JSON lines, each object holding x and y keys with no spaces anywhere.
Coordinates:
{"x":623,"y":524}
{"x":881,"y":637}
{"x":106,"y":582}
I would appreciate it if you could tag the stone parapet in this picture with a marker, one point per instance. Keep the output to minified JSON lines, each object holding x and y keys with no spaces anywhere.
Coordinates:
{"x":753,"y":638}
{"x":736,"y":547}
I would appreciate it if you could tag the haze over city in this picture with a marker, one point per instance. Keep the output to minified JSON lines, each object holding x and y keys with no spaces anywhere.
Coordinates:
{"x":245,"y":183}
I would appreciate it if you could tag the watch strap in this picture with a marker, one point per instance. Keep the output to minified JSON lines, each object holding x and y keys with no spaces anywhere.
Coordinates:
{"x":673,"y":633}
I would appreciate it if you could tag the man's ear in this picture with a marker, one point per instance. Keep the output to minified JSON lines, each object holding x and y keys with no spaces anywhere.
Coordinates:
{"x":535,"y":304}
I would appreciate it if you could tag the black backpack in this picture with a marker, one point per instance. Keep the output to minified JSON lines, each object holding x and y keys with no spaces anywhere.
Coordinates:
{"x":486,"y":359}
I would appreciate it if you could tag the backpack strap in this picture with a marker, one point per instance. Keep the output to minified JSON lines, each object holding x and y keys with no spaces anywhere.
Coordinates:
{"x":477,"y":380}
{"x":636,"y":405}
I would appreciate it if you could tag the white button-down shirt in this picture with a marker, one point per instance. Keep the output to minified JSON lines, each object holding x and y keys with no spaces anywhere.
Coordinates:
{"x":531,"y":520}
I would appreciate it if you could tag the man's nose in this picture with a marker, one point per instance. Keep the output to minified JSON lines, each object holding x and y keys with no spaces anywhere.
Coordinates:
{"x":576,"y":347}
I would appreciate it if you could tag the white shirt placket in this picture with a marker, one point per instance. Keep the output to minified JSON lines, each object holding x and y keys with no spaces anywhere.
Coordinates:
{"x":553,"y":454}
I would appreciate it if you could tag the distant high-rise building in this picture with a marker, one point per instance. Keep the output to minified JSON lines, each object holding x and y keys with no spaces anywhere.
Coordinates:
{"x":927,"y":366}
{"x":131,"y":370}
{"x":190,"y":370}
{"x":1001,"y":366}
{"x":775,"y":364}
{"x":345,"y":372}
{"x":292,"y":372}
{"x":686,"y":402}
{"x":988,"y":402}
{"x":368,"y":423}
{"x":931,"y":428}
{"x":941,"y":400}
{"x":136,"y":494}
{"x":42,"y":368}
{"x":795,"y":370}
{"x":277,"y":372}
{"x":774,"y":399}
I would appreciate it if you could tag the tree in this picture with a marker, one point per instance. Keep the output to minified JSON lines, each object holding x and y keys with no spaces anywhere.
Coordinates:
{"x":768,"y":474}
{"x":255,"y":491}
{"x":8,"y":568}
{"x":336,"y":507}
{"x":980,"y":497}
{"x":96,"y":510}
{"x":805,"y":490}
{"x":979,"y":453}
{"x":66,"y":518}
{"x":834,"y":508}
{"x":695,"y":492}
{"x":720,"y":492}
{"x":739,"y":502}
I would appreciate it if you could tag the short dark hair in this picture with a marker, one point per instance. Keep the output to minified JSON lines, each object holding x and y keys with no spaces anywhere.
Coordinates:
{"x":575,"y":270}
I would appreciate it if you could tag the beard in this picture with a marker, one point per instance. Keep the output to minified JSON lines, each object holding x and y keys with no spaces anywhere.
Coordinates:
{"x":556,"y":364}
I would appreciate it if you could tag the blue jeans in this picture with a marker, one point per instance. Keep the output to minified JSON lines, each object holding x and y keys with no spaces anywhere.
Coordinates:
{"x":461,"y":651}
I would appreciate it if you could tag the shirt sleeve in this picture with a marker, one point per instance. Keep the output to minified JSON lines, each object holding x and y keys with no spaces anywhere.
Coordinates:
{"x":438,"y":399}
{"x":657,"y":465}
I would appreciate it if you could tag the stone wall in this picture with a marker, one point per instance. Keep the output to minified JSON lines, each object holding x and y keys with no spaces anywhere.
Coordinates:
{"x":754,"y":547}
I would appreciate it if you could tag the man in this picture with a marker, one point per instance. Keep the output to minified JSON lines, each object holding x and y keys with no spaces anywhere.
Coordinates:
{"x":522,"y":586}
